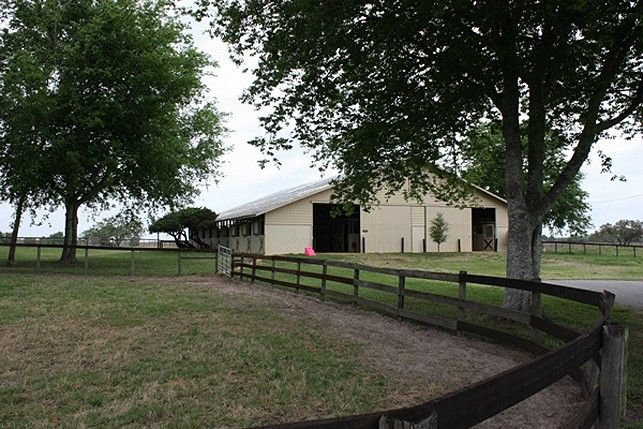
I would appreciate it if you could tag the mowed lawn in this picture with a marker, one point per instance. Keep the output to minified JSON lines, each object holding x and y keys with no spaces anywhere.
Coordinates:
{"x":150,"y":263}
{"x":576,"y":266}
{"x":110,"y":352}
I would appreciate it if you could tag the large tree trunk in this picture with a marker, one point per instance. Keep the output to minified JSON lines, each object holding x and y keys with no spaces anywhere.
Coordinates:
{"x":71,"y":233}
{"x":523,"y":254}
{"x":14,"y":233}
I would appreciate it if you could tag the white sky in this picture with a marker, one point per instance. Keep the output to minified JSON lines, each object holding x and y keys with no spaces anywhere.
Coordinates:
{"x":243,"y":180}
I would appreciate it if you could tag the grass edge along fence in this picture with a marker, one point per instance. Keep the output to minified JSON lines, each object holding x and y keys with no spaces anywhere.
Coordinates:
{"x":596,"y":359}
{"x":181,"y":255}
{"x":585,"y":247}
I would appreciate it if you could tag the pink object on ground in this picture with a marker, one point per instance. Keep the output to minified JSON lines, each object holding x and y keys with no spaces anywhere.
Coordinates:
{"x":308,"y":251}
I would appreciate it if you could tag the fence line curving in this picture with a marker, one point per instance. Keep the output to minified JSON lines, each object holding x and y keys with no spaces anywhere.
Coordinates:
{"x":594,"y":359}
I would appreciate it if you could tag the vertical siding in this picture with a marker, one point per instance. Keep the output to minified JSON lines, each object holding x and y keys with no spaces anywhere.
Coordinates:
{"x":459,"y":221}
{"x":386,"y":225}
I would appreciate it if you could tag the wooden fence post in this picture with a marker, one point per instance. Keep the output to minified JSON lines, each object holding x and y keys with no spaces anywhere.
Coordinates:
{"x":132,"y":263}
{"x":401,"y":284}
{"x":634,"y":251}
{"x":355,"y":287}
{"x":555,"y":247}
{"x":569,"y":244}
{"x":298,"y":275}
{"x":272,"y":274}
{"x":323,"y":282}
{"x":243,"y":261}
{"x":38,"y":260}
{"x":599,"y":250}
{"x":462,"y":295}
{"x":178,"y":263}
{"x":613,"y":396}
{"x":86,"y":259}
{"x":616,"y":249}
{"x":584,"y":249}
{"x":254,"y":268}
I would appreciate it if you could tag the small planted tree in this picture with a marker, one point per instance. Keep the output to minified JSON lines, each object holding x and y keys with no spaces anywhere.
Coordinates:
{"x":438,"y":230}
{"x":116,"y":229}
{"x":178,"y":223}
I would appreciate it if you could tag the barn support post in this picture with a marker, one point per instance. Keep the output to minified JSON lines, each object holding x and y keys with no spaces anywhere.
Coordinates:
{"x":462,"y":296}
{"x":613,"y":396}
{"x":402,"y":243}
{"x":355,"y":287}
{"x":363,"y":244}
{"x":459,"y":246}
{"x":401,"y":284}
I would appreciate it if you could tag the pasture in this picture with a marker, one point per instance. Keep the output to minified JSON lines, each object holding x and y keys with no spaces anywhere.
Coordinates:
{"x":112,"y":337}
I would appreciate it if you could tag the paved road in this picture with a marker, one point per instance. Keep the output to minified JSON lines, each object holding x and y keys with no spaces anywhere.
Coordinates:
{"x":628,"y":292}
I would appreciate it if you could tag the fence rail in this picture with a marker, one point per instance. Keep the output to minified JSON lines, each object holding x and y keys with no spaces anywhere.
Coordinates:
{"x":578,"y":247}
{"x":181,"y":254}
{"x":576,"y":357}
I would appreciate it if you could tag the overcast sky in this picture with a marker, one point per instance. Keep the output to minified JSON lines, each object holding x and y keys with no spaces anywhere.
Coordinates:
{"x":243,"y":180}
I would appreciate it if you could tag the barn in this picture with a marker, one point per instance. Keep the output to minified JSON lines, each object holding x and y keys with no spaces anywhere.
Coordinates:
{"x":290,"y":220}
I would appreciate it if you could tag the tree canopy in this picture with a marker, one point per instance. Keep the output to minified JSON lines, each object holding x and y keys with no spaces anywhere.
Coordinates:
{"x":121,"y":108}
{"x":483,"y":159}
{"x":116,"y":229}
{"x":192,"y":219}
{"x":624,"y":231}
{"x":384,"y":91}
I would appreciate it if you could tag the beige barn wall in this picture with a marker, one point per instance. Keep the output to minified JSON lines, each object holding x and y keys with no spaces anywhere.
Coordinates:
{"x":289,"y":228}
{"x":459,"y":221}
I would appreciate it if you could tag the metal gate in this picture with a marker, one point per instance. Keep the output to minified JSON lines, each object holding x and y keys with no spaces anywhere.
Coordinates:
{"x":224,"y":260}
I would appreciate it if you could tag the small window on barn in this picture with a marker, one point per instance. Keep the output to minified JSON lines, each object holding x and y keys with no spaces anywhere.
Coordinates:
{"x":257,"y":228}
{"x":245,"y":229}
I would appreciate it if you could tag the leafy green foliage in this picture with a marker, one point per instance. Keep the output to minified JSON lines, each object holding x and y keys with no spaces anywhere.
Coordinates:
{"x":483,"y":157}
{"x":439,"y":229}
{"x":384,"y":90}
{"x":58,"y":234}
{"x":625,"y":231}
{"x":116,"y":229}
{"x":194,"y":219}
{"x":118,"y":95}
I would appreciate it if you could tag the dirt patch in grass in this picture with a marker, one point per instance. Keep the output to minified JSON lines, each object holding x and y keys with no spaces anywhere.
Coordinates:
{"x":418,"y":356}
{"x":212,"y":352}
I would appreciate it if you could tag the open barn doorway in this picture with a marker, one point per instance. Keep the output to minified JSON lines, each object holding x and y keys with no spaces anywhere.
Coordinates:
{"x":335,"y":232}
{"x":483,"y":222}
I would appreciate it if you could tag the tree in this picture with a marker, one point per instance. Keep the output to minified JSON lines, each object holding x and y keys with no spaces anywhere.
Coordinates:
{"x":622,"y":232}
{"x":438,"y":230}
{"x":383,"y":90}
{"x":483,"y":158}
{"x":116,"y":229}
{"x":124,"y":115}
{"x":193,"y":219}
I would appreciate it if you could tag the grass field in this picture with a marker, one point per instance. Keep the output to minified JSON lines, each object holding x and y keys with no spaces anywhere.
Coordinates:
{"x":554,"y":266}
{"x":107,"y":352}
{"x":102,"y":264}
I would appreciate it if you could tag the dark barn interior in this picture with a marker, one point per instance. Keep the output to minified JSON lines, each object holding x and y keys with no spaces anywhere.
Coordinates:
{"x":335,"y":232}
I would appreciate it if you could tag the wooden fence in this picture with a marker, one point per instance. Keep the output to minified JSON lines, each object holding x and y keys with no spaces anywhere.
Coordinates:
{"x":582,"y":247}
{"x":181,"y":254}
{"x":595,"y":359}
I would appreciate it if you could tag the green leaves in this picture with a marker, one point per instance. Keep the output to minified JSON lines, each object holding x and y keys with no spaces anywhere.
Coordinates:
{"x":107,"y":100}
